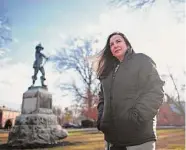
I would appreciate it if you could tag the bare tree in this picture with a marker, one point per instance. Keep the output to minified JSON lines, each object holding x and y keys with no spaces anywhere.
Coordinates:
{"x":176,"y":99}
{"x":137,"y":4}
{"x":59,"y":113}
{"x":132,"y":3}
{"x":5,"y":31}
{"x":74,"y":58}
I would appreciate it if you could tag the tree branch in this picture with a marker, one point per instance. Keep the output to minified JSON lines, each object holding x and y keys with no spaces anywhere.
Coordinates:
{"x":177,"y":103}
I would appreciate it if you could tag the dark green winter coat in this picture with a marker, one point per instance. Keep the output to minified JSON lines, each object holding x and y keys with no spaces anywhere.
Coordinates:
{"x":129,"y":99}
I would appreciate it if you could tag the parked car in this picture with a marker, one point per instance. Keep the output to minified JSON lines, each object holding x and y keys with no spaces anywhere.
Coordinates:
{"x":71,"y":125}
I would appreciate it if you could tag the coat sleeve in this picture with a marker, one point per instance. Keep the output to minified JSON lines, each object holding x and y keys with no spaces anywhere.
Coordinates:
{"x":100,"y":106}
{"x":152,"y":95}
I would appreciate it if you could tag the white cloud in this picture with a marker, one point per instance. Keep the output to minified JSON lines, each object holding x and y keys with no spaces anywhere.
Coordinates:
{"x":16,"y":78}
{"x":153,"y":31}
{"x":15,"y":40}
{"x":3,"y":51}
{"x":13,"y":82}
{"x":53,"y":78}
{"x":51,"y":42}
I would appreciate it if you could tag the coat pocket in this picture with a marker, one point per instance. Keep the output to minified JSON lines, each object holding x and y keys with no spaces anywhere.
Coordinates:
{"x":126,"y":129}
{"x":104,"y":126}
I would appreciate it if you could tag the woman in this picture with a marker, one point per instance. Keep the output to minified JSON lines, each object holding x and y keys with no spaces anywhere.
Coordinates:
{"x":130,"y":96}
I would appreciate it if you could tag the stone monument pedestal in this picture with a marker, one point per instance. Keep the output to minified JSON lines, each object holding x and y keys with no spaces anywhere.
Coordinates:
{"x":37,"y":124}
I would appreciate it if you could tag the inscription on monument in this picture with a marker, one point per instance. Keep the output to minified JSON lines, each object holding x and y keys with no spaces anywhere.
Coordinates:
{"x":29,"y":105}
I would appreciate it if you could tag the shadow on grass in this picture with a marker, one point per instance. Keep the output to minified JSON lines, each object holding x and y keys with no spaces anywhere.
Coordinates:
{"x":38,"y":146}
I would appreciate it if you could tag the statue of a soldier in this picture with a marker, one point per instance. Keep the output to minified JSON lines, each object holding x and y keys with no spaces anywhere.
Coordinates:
{"x":38,"y":65}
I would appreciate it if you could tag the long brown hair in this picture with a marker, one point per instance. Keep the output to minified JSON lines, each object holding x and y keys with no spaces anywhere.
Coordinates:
{"x":107,"y":61}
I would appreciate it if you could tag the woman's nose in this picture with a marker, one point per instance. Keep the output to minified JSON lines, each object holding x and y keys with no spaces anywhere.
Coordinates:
{"x":115,"y":45}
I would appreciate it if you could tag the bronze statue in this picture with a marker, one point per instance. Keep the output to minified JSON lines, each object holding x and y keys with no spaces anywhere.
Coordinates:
{"x":39,"y":65}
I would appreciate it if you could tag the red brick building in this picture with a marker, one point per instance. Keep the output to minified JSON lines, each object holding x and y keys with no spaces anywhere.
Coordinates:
{"x":169,"y":116}
{"x":7,"y":116}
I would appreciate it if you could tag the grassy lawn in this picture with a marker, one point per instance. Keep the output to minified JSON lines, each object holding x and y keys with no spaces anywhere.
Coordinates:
{"x":168,"y":139}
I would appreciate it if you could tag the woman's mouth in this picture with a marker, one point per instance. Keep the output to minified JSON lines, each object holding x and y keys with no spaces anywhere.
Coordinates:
{"x":116,"y":51}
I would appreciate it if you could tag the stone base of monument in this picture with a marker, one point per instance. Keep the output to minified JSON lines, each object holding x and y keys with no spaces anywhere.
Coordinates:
{"x":37,"y":124}
{"x":36,"y":129}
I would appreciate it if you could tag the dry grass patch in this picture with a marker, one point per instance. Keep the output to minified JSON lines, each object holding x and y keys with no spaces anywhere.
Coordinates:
{"x":168,"y":139}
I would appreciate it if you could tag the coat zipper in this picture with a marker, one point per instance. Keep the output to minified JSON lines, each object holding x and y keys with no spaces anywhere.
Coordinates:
{"x":111,"y":88}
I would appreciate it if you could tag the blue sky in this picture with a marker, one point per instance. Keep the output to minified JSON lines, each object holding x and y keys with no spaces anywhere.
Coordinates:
{"x":35,"y":19}
{"x":153,"y":31}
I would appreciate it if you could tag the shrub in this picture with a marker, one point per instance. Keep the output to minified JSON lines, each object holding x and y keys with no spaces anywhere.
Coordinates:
{"x":87,"y":123}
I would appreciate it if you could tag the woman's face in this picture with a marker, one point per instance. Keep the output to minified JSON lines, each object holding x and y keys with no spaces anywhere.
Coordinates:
{"x":118,"y":46}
